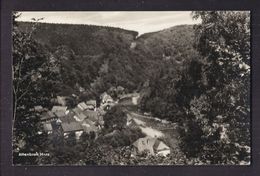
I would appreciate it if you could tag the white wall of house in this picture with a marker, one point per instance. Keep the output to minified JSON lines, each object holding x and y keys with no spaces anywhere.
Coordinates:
{"x":164,"y":152}
{"x":76,"y":118}
{"x":66,"y":135}
{"x":135,"y":100}
{"x":78,"y":134}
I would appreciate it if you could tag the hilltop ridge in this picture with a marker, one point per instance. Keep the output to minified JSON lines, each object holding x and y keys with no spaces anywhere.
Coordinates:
{"x":98,"y":57}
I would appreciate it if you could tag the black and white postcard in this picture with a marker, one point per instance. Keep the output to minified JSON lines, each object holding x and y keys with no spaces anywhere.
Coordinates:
{"x":131,"y":88}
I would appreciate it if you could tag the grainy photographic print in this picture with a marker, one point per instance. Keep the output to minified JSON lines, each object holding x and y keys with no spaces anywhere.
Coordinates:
{"x":131,"y":88}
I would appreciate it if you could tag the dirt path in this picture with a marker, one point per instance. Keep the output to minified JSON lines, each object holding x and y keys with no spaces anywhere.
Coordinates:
{"x":154,"y":127}
{"x":151,"y":132}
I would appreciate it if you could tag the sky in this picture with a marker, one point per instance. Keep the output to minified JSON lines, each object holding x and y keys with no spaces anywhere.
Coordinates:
{"x":140,"y":21}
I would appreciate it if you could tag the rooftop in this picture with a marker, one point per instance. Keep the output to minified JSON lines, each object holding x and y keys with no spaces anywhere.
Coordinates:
{"x":47,"y":115}
{"x":73,"y":126}
{"x":59,"y":108}
{"x":92,"y":115}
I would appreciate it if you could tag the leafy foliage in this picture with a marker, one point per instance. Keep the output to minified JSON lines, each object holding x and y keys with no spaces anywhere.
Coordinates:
{"x":209,"y":95}
{"x":222,"y":111}
{"x":33,"y":84}
{"x":115,"y":119}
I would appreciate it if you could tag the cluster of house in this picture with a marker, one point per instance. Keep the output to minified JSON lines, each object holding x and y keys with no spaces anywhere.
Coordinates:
{"x":85,"y":117}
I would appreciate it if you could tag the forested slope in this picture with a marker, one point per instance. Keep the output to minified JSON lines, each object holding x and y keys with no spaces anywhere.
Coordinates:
{"x":97,"y":58}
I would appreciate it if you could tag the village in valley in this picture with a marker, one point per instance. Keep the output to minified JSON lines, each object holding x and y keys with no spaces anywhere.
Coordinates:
{"x":91,"y":94}
{"x":87,"y":117}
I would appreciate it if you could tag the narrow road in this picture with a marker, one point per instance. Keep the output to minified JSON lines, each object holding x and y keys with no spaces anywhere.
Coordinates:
{"x":151,"y":132}
{"x":154,"y":127}
{"x":148,"y":131}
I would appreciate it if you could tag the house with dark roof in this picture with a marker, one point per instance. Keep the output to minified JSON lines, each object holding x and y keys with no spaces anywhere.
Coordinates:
{"x":72,"y":127}
{"x":91,"y":104}
{"x":59,"y":108}
{"x":48,"y":117}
